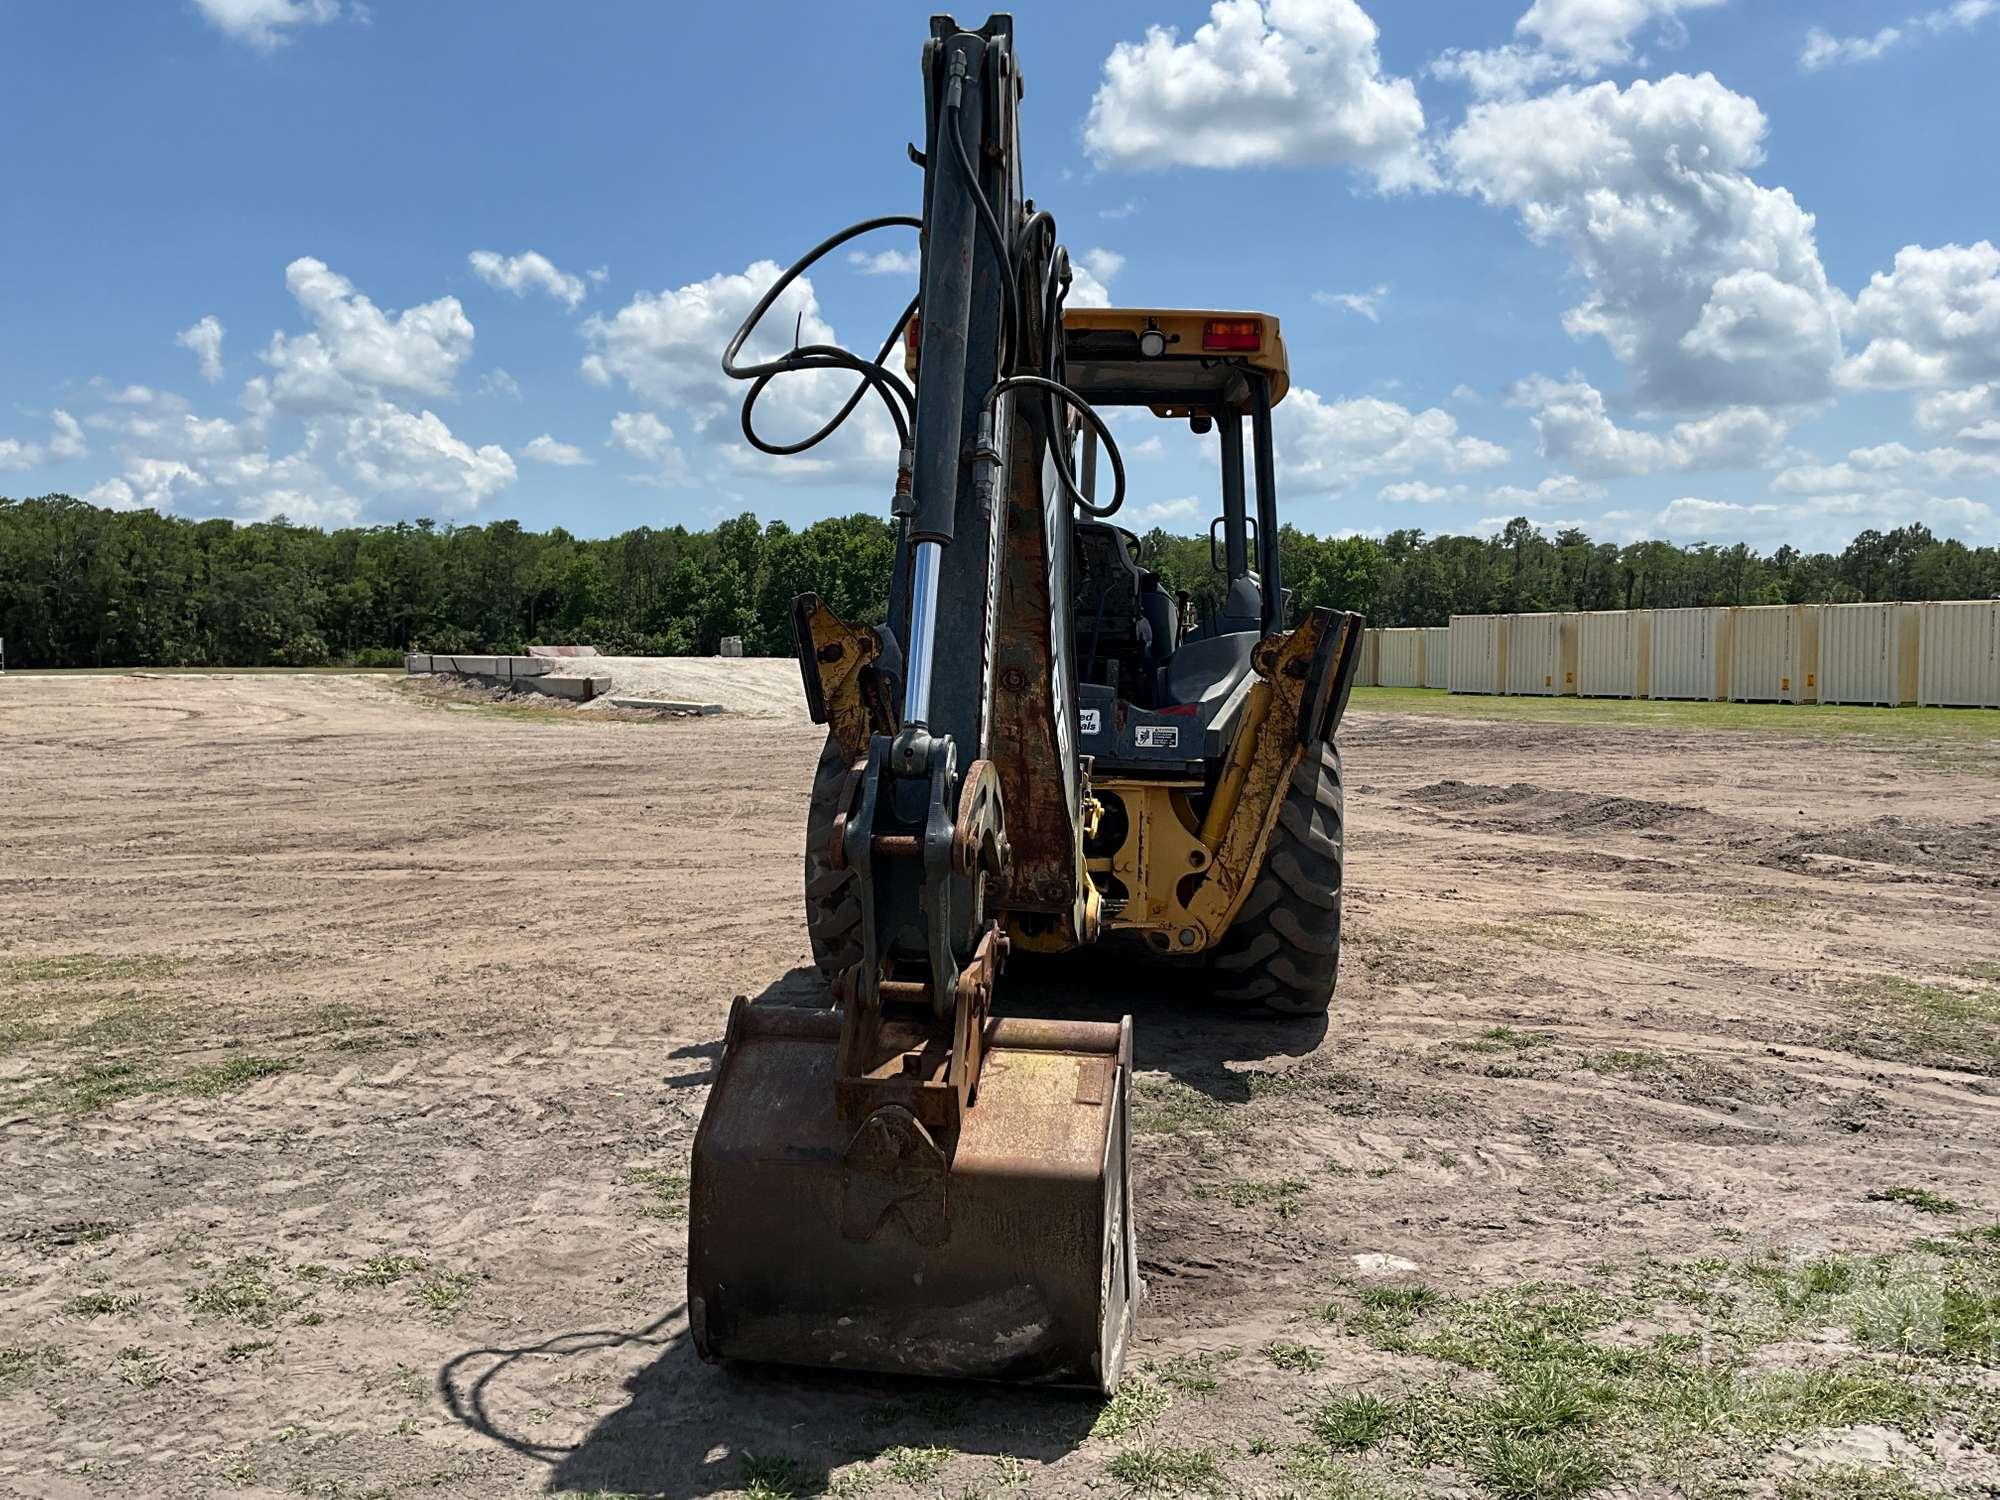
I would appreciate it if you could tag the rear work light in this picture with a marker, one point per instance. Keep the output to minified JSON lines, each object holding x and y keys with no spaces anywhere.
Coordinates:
{"x":1233,"y":333}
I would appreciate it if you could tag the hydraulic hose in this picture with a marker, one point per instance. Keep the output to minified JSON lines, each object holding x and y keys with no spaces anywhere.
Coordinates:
{"x":895,"y":395}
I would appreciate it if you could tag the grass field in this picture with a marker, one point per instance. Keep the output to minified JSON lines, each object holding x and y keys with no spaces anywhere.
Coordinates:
{"x":1784,"y":718}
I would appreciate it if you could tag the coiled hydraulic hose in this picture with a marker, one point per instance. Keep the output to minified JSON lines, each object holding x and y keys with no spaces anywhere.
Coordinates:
{"x":895,"y":394}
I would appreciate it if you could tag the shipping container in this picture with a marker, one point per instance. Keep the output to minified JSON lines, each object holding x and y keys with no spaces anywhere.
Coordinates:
{"x":1479,"y":653}
{"x":1364,"y":669}
{"x":1437,"y":656}
{"x":1868,"y":654}
{"x":1958,"y":654}
{"x":1690,"y":654}
{"x":1541,"y":655}
{"x":1400,"y":659}
{"x":1614,"y":653}
{"x":1774,"y":654}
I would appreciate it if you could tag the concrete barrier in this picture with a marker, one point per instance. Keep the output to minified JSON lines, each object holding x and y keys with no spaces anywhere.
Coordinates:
{"x":577,"y":689}
{"x":562,"y":651}
{"x":506,"y":668}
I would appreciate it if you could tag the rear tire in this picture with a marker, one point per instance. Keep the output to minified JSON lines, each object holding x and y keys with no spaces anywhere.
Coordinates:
{"x":1283,"y":949}
{"x":833,"y":904}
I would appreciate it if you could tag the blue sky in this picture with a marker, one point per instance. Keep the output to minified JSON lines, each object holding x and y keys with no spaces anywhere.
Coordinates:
{"x":1701,"y":269}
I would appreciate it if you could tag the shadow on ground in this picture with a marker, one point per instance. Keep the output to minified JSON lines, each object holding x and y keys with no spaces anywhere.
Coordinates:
{"x":689,"y":1429}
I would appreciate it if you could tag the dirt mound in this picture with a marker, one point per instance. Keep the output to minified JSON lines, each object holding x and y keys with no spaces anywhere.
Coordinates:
{"x":1532,"y":808}
{"x":1908,"y":849}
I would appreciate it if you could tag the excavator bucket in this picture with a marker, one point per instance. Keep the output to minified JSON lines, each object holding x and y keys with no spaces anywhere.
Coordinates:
{"x":997,"y":1248}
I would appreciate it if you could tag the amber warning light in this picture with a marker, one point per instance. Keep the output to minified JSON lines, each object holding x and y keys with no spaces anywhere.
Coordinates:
{"x":1232,"y":333}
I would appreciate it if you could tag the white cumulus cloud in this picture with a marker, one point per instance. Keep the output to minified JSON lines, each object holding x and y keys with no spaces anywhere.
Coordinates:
{"x":666,"y":347}
{"x":1933,"y":319}
{"x":1324,"y":446}
{"x":1576,"y":431}
{"x":65,"y":441}
{"x":890,"y":262}
{"x":546,"y":450}
{"x":357,"y":351}
{"x":1262,"y":82}
{"x":1707,"y":285}
{"x":395,"y":451}
{"x":268,"y":24}
{"x":205,"y":340}
{"x":526,"y":272}
{"x":1366,"y":304}
{"x":1576,"y":39}
{"x":1822,"y":49}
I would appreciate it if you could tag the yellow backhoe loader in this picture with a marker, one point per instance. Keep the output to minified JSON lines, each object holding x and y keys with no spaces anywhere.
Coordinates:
{"x":1040,"y":747}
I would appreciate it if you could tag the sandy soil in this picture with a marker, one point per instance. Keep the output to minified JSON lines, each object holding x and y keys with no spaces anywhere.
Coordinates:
{"x":1611,"y":1004}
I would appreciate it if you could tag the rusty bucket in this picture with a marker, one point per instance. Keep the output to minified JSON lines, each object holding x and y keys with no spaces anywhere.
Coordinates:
{"x":999,"y":1249}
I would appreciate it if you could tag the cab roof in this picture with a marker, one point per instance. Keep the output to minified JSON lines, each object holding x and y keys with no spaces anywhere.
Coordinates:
{"x":1203,"y":352}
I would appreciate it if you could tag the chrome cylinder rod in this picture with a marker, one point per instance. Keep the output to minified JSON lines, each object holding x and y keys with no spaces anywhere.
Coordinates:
{"x":923,"y":633}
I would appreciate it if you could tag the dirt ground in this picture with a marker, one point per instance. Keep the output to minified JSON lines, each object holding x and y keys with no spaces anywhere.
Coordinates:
{"x":351,"y":1045}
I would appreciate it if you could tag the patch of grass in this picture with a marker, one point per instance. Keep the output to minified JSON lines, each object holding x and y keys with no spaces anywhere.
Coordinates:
{"x":98,"y":968}
{"x":774,"y":1478}
{"x":1560,"y":1408}
{"x":917,"y":1465}
{"x":1351,"y":1423}
{"x":1922,"y":1200}
{"x":90,"y":1087}
{"x":1009,"y":1471}
{"x":248,"y":1347}
{"x":1295,"y":1357}
{"x":1941,"y":1002}
{"x":380,"y":1270}
{"x":1580,"y":932}
{"x":1402,"y":1299}
{"x":1757,"y":911}
{"x":1166,"y":1106}
{"x":1306,"y":1083}
{"x":443,"y":1292}
{"x":1139,"y":1403}
{"x":1812,"y":721}
{"x":1854,"y":1482}
{"x":1627,"y":1062}
{"x":1320,"y":1476}
{"x":239,"y":1292}
{"x":14,"y":1362}
{"x":223,"y":1077}
{"x":1194,"y":1374}
{"x":941,"y":1410}
{"x":1956,"y":1022}
{"x":1498,"y":1039}
{"x":670,"y":1192}
{"x":98,"y":1304}
{"x":141,"y":1367}
{"x":1282,"y":1196}
{"x":1159,"y":1467}
{"x":1539,"y":1467}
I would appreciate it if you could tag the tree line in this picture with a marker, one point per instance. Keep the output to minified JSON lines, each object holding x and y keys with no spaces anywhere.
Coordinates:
{"x":86,"y":587}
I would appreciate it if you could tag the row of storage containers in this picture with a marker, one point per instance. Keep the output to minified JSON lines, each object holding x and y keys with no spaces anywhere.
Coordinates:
{"x":1944,"y":654}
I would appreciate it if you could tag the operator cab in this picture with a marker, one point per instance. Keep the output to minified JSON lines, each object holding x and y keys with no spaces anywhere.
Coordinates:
{"x":1160,"y":691}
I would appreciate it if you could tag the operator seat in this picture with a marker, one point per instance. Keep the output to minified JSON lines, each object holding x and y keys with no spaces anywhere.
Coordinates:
{"x":1121,"y":611}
